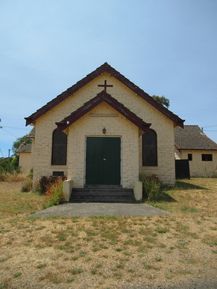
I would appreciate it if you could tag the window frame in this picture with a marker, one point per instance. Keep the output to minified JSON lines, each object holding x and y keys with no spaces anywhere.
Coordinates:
{"x":154,"y":163}
{"x":190,"y":157}
{"x":53,"y":161}
{"x":207,"y":157}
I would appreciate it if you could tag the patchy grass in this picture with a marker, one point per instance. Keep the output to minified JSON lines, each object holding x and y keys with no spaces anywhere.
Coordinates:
{"x":13,"y":202}
{"x":107,"y":252}
{"x":195,"y":196}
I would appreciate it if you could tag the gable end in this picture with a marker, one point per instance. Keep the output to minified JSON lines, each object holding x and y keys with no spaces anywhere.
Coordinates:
{"x":101,"y":69}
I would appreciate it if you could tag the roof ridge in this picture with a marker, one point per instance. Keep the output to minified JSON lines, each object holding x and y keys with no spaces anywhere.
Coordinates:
{"x":105,"y":67}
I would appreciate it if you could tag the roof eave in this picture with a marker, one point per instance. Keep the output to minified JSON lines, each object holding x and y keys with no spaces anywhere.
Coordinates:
{"x":198,"y":149}
{"x":89,"y":105}
{"x":104,"y":68}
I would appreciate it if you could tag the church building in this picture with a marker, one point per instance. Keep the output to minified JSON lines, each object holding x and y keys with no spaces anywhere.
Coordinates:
{"x":104,"y":131}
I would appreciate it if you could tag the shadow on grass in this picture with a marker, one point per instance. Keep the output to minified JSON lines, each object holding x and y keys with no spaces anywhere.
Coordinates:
{"x":182,"y":185}
{"x":164,"y":196}
{"x":167,"y":192}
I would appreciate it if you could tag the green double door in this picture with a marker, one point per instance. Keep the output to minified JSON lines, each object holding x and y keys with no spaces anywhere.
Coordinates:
{"x":103,"y":161}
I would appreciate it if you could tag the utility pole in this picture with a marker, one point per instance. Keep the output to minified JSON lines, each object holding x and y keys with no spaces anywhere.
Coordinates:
{"x":0,"y":123}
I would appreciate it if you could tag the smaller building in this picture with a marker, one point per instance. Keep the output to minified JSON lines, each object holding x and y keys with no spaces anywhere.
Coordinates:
{"x":25,"y":157}
{"x":192,"y":144}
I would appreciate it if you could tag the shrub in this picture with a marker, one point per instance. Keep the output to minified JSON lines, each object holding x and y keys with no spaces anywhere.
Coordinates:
{"x":27,"y":185}
{"x":46,"y":182}
{"x":55,"y":193}
{"x":9,"y":165}
{"x":30,"y":175}
{"x":36,"y":187}
{"x":151,"y":187}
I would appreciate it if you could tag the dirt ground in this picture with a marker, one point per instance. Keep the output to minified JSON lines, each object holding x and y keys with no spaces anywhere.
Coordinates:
{"x":108,"y":252}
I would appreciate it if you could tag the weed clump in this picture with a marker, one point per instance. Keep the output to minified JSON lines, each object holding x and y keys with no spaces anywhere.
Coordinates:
{"x":27,"y":185}
{"x":55,"y":194}
{"x":152,"y":187}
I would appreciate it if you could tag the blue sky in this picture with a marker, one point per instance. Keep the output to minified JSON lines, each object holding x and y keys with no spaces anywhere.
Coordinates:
{"x":167,"y":47}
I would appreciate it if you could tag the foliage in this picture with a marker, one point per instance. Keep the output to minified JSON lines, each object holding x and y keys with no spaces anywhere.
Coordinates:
{"x":36,"y":187}
{"x":46,"y":182}
{"x":8,"y":165}
{"x":24,"y":139}
{"x":151,"y":187}
{"x":9,"y":170}
{"x":27,"y":185}
{"x":55,"y":193}
{"x":30,"y":175}
{"x":162,"y":100}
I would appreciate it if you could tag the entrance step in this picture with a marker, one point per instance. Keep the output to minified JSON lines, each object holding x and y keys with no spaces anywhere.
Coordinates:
{"x":99,"y":194}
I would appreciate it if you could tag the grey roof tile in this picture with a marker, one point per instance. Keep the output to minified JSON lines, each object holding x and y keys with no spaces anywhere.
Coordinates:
{"x":192,"y":137}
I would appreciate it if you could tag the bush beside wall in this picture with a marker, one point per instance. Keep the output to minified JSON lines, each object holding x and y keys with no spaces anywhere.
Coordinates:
{"x":152,"y":187}
{"x":55,"y":193}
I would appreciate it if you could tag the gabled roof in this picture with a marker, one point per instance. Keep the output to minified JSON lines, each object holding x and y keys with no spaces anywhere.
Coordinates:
{"x":99,"y":98}
{"x":101,"y":69}
{"x":192,"y":137}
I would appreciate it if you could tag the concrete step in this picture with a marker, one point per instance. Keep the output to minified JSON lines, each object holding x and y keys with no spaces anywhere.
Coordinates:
{"x":113,"y":195}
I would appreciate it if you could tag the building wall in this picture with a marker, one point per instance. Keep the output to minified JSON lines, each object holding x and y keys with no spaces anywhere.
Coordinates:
{"x":25,"y":162}
{"x":103,"y":116}
{"x":177,"y":154}
{"x":199,"y":168}
{"x":163,"y":126}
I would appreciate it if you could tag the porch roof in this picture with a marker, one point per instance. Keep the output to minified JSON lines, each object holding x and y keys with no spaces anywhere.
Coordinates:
{"x":99,"y":98}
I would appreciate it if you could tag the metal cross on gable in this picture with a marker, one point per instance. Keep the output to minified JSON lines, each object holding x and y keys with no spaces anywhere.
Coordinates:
{"x":105,"y":85}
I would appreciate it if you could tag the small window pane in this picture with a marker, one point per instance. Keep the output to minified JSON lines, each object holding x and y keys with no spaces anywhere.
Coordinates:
{"x":58,"y":174}
{"x":190,"y":157}
{"x":207,"y":157}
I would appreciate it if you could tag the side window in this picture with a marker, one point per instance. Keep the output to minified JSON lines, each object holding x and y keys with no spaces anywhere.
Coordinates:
{"x":149,"y":148}
{"x":190,"y":158}
{"x":59,"y":148}
{"x":206,"y":157}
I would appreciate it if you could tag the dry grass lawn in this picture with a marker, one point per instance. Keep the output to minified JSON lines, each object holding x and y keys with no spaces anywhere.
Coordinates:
{"x":109,"y":252}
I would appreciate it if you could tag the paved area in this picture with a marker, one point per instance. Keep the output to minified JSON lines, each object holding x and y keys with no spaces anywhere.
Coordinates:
{"x":99,"y":209}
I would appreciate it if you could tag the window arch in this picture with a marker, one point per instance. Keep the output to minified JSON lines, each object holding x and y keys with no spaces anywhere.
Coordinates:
{"x":59,"y":148}
{"x":149,"y":148}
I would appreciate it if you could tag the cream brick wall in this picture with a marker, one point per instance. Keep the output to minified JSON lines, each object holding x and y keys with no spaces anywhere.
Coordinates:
{"x":25,"y":162}
{"x":116,"y":126}
{"x":165,"y":169}
{"x":199,"y":168}
{"x":160,"y":123}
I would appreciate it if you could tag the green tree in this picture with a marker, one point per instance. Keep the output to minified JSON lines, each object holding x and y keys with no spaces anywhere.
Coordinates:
{"x":162,"y":100}
{"x":19,"y":141}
